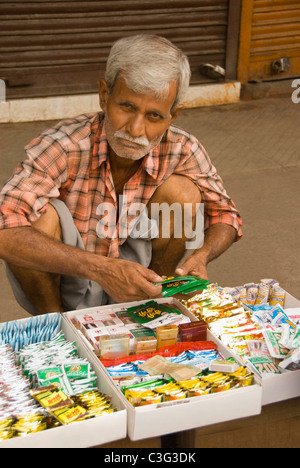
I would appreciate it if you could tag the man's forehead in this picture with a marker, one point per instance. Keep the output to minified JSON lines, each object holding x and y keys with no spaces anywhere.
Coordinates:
{"x":121,"y":91}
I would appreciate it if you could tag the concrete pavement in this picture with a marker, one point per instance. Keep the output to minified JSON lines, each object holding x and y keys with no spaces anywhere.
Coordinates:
{"x":255,"y":146}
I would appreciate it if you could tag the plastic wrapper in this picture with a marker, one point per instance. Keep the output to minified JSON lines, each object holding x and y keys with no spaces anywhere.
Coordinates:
{"x":153,"y":315}
{"x":263,"y":365}
{"x":292,"y":361}
{"x":182,"y":285}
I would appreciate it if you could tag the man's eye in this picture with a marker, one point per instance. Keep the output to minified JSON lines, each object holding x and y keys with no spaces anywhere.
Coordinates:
{"x":155,"y":117}
{"x":126,"y":105}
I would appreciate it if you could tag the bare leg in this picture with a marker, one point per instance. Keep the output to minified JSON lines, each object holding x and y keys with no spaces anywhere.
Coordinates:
{"x":167,"y":249}
{"x":42,"y":289}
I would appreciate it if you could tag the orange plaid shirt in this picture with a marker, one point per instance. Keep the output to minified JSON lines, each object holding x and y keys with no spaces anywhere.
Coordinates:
{"x":70,"y":162}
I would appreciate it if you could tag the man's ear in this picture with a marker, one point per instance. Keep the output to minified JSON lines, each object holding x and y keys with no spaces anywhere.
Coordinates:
{"x":103,"y":94}
{"x":175,"y":112}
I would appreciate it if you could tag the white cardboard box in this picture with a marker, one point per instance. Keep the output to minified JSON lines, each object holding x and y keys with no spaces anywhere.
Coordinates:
{"x":81,"y":434}
{"x":277,"y":387}
{"x":166,"y":418}
{"x":287,"y":385}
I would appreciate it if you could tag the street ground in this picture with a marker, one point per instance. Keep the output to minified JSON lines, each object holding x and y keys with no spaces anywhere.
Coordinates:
{"x":255,"y":146}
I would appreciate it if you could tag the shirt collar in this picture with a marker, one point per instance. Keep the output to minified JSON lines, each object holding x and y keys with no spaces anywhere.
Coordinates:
{"x":99,"y":142}
{"x":151,"y":162}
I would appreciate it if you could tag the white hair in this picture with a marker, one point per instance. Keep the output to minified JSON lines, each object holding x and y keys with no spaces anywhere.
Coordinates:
{"x":148,"y":64}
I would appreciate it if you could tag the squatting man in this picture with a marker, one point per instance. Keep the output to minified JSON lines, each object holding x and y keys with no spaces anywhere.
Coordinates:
{"x":62,"y":250}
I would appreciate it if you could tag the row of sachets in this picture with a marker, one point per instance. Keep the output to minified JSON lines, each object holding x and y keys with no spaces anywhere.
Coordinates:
{"x":281,"y":330}
{"x":33,"y":330}
{"x":19,"y":413}
{"x":280,"y":326}
{"x":163,"y":390}
{"x":191,"y":373}
{"x":264,"y":335}
{"x":57,"y":362}
{"x":227,"y":320}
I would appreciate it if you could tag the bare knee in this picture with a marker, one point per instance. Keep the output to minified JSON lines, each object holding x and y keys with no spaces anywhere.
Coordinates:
{"x":174,"y":206}
{"x":177,"y":188}
{"x":49,"y":223}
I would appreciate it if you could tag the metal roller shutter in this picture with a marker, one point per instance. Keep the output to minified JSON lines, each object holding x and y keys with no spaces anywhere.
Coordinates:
{"x":60,"y":47}
{"x":271,"y":35}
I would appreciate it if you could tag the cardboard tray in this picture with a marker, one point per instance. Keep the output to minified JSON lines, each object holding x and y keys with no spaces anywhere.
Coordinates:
{"x":287,"y":385}
{"x":81,"y":434}
{"x":169,"y":417}
{"x":277,"y":387}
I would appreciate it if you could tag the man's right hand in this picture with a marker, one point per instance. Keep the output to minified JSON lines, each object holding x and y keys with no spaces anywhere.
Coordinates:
{"x":124,"y":281}
{"x":127,"y":281}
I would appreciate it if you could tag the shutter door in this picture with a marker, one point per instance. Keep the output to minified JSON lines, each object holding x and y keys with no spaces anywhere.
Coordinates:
{"x":60,"y":47}
{"x":274,"y":35}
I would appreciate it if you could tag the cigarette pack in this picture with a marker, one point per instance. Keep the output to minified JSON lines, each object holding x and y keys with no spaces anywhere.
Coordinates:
{"x":167,"y":335}
{"x":145,"y":344}
{"x":227,"y":365}
{"x":194,"y":331}
{"x":114,"y":346}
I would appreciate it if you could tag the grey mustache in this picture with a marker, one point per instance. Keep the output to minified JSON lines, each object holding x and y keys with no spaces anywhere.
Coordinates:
{"x":137,"y":141}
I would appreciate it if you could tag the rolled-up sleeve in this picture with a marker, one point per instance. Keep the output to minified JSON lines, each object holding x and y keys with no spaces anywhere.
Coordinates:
{"x":35,"y":181}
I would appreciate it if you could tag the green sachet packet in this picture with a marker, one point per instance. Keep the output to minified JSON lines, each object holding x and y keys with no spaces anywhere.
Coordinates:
{"x":77,"y":369}
{"x":145,"y":385}
{"x":182,"y":285}
{"x":150,"y":311}
{"x":60,"y":381}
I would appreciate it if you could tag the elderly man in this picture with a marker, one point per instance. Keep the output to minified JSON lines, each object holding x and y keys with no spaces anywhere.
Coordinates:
{"x":66,"y":215}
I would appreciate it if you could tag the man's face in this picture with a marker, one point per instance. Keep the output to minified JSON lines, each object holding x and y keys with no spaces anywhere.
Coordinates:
{"x":135,"y":123}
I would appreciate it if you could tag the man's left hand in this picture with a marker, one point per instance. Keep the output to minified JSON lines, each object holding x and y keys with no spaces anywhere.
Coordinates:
{"x":193,"y":266}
